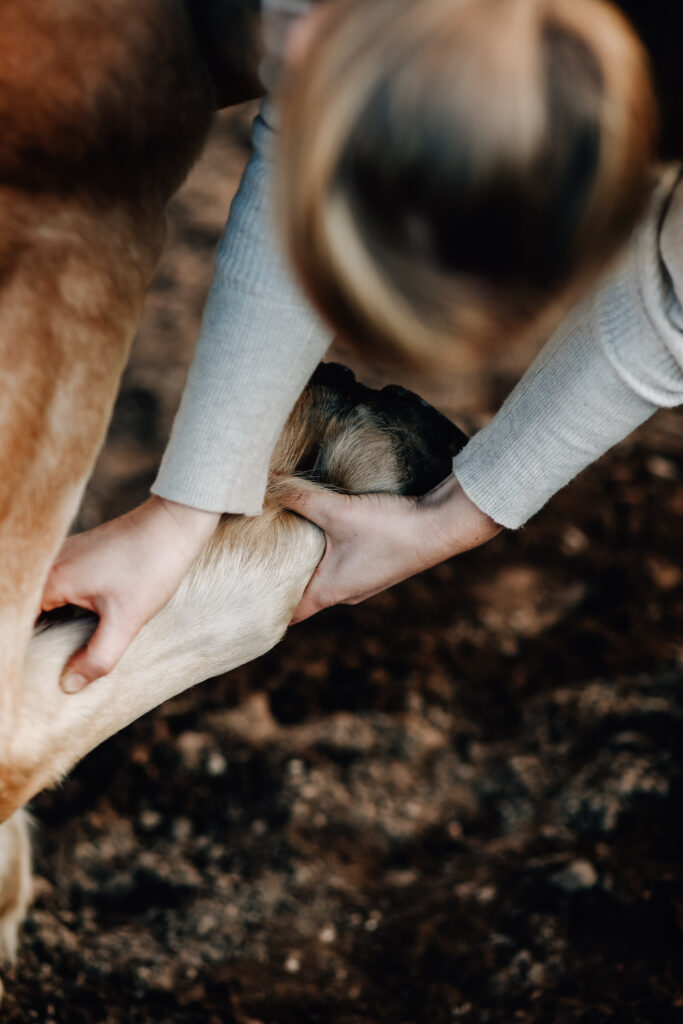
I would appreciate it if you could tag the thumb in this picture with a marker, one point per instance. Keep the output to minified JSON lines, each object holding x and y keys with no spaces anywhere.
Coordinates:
{"x":313,"y":502}
{"x":103,"y":652}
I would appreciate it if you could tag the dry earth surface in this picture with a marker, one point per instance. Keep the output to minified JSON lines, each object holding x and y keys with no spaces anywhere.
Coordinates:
{"x":458,"y":802}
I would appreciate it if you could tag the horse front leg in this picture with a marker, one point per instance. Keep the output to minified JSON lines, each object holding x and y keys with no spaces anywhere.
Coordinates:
{"x":16,"y":885}
{"x":72,"y":284}
{"x":70,"y":296}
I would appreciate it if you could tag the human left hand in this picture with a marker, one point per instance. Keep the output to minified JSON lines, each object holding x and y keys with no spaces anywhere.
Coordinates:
{"x":125,"y":571}
{"x":376,"y":540}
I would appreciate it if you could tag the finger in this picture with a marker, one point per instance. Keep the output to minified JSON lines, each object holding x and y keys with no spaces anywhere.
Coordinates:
{"x":317,"y":504}
{"x":308,"y":606}
{"x":104,"y":651}
{"x":315,"y":598}
{"x":53,"y":595}
{"x":53,"y":600}
{"x":57,"y":597}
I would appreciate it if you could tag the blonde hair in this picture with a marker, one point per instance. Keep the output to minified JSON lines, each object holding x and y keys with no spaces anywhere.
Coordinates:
{"x":449,"y":168}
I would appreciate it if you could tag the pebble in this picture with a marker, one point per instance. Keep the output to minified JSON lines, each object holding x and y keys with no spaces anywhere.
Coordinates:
{"x":573,"y":541}
{"x":216,"y":764}
{"x":293,"y":964}
{"x":577,"y":876}
{"x":182,"y":829}
{"x":664,"y":468}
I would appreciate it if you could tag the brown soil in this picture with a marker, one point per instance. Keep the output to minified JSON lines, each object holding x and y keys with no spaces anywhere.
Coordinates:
{"x":460,"y":801}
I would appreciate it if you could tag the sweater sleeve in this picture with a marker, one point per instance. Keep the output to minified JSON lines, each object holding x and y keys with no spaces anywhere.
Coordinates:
{"x":259,"y":343}
{"x":615,"y":360}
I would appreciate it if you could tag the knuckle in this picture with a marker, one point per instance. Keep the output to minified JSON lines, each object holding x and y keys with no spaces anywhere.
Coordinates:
{"x":101,"y":665}
{"x":54,"y":579}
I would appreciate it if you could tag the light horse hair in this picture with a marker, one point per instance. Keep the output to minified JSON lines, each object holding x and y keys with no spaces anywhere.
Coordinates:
{"x":235,"y":602}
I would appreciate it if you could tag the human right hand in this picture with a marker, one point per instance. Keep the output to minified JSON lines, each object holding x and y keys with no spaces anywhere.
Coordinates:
{"x":125,"y":571}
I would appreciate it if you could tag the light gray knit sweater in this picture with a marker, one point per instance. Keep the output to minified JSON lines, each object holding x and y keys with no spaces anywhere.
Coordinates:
{"x":608,"y":367}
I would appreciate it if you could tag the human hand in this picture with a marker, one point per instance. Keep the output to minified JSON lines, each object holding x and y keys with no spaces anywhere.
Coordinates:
{"x":125,"y":571}
{"x":376,"y":540}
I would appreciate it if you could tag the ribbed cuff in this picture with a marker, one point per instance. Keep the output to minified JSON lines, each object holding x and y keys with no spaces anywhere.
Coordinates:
{"x":569,"y":409}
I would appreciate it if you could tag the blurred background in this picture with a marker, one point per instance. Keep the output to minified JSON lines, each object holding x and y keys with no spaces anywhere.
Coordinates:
{"x":460,"y":801}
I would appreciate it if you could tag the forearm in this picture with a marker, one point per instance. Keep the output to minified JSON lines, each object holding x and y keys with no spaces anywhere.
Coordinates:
{"x":260,"y":341}
{"x":606,"y":370}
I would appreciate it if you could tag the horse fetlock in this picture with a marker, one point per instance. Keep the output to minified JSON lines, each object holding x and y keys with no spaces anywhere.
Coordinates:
{"x":15,"y":881}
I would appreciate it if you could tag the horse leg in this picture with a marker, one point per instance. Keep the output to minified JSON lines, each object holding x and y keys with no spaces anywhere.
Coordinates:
{"x":104,"y":108}
{"x":16,"y":886}
{"x":71,"y":288}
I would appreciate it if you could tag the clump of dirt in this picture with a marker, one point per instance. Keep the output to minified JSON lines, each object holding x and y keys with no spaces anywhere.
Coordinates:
{"x":457,"y":802}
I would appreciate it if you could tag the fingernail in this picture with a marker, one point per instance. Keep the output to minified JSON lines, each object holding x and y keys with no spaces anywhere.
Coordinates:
{"x":73,"y":682}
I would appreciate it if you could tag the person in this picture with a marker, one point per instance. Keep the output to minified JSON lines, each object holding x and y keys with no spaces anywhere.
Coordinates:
{"x":444,"y":170}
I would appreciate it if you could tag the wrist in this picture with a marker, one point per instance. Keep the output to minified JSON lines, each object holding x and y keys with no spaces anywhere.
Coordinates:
{"x":461,"y":523}
{"x":195,"y":524}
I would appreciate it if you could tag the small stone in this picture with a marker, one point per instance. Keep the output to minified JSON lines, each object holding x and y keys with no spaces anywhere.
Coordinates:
{"x":573,"y":541}
{"x":463,"y":1010}
{"x":465,"y":890}
{"x":182,"y":829}
{"x":665,"y":575}
{"x":192,"y":747}
{"x":149,"y":819}
{"x":206,"y":924}
{"x":293,"y":964}
{"x":536,"y":974}
{"x":216,"y":764}
{"x":486,"y":894}
{"x":328,"y":934}
{"x":455,"y":830}
{"x":665,"y":469}
{"x":577,"y":876}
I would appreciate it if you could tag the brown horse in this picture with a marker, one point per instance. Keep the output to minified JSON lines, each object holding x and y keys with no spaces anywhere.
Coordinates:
{"x":104,"y":106}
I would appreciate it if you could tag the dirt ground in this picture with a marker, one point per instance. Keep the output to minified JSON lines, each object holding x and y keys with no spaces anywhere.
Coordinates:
{"x":460,"y":801}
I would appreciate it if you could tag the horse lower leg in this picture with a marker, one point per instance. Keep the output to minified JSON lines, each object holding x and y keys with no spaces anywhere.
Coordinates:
{"x":69,"y":302}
